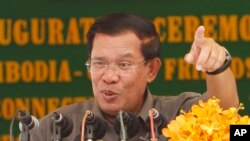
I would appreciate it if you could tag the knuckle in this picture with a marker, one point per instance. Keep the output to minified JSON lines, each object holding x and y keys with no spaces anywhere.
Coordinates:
{"x":210,"y":40}
{"x":213,"y":56}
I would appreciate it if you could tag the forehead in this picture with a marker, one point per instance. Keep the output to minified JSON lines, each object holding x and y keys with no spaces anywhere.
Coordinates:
{"x":126,"y":45}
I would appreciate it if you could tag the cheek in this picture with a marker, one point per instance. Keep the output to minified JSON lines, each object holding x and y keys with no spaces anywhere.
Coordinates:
{"x":95,"y":80}
{"x":136,"y":82}
{"x":141,"y":76}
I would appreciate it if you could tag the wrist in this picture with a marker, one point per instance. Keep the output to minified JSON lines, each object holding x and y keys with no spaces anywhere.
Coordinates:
{"x":225,"y":65}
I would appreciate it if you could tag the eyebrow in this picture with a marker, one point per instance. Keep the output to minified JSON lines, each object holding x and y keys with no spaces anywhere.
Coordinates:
{"x":126,"y":55}
{"x":98,"y":58}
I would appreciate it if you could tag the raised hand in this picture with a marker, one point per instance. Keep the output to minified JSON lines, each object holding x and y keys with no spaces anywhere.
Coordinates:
{"x":205,"y":53}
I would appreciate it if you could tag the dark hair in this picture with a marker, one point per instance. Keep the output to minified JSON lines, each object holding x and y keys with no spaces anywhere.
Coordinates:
{"x":117,"y":23}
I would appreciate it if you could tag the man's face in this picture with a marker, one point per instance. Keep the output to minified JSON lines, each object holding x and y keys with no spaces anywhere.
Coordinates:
{"x":114,"y":88}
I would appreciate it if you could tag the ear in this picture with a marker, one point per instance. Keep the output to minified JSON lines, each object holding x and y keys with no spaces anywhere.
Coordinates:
{"x":154,"y":67}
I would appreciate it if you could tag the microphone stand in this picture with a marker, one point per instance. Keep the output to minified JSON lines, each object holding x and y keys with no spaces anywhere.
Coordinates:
{"x":127,"y":125}
{"x":89,"y":133}
{"x":123,"y":130}
{"x":56,"y":130}
{"x":159,"y":121}
{"x":95,"y":127}
{"x":24,"y":135}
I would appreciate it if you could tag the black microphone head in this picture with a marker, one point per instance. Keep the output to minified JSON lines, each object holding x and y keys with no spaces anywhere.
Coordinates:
{"x":131,"y":123}
{"x":64,"y":123}
{"x":96,"y":124}
{"x":159,"y":121}
{"x":26,"y":119}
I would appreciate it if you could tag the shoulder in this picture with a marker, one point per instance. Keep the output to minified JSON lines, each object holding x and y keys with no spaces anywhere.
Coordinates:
{"x":176,"y":98}
{"x":170,"y":106}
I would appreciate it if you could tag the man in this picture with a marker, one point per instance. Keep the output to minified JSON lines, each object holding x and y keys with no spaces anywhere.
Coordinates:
{"x":124,"y":57}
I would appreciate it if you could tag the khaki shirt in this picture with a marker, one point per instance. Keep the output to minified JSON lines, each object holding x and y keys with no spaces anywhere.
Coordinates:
{"x":168,"y":106}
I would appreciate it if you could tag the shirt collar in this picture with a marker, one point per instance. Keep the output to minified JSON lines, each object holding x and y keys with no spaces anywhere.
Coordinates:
{"x":148,"y":104}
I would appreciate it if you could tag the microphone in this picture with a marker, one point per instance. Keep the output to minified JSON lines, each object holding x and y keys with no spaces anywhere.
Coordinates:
{"x":131,"y":124}
{"x":64,"y":126}
{"x":27,"y":120}
{"x":95,"y":127}
{"x":159,"y":122}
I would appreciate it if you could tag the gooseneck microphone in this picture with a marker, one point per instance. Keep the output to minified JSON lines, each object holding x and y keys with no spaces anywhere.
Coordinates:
{"x":26,"y":119}
{"x":61,"y":126}
{"x":95,"y":127}
{"x":126,"y":125}
{"x":159,"y":122}
{"x":27,"y":125}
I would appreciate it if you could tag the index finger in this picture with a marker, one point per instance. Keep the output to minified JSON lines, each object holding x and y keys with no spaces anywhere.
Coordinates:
{"x":199,"y":34}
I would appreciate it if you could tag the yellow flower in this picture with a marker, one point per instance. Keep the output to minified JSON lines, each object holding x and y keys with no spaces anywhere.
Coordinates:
{"x":206,"y":121}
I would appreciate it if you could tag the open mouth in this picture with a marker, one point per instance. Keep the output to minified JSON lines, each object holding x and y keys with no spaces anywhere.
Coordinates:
{"x":109,"y":95}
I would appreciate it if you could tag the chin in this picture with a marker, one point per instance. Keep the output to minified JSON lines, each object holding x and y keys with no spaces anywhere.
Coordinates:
{"x":110,"y":109}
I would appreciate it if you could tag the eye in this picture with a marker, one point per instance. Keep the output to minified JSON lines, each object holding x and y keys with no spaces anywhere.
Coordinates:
{"x":99,"y":64}
{"x":124,"y":65}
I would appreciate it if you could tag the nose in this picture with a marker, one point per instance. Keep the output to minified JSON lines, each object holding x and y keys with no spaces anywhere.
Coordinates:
{"x":111,"y":75}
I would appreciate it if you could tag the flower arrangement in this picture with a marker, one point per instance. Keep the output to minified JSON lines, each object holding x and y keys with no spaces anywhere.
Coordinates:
{"x":205,"y":122}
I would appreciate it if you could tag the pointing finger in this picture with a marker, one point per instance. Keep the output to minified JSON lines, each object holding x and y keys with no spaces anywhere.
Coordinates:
{"x":199,"y":34}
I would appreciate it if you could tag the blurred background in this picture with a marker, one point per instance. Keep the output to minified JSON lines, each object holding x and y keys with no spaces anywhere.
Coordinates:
{"x":43,"y":49}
